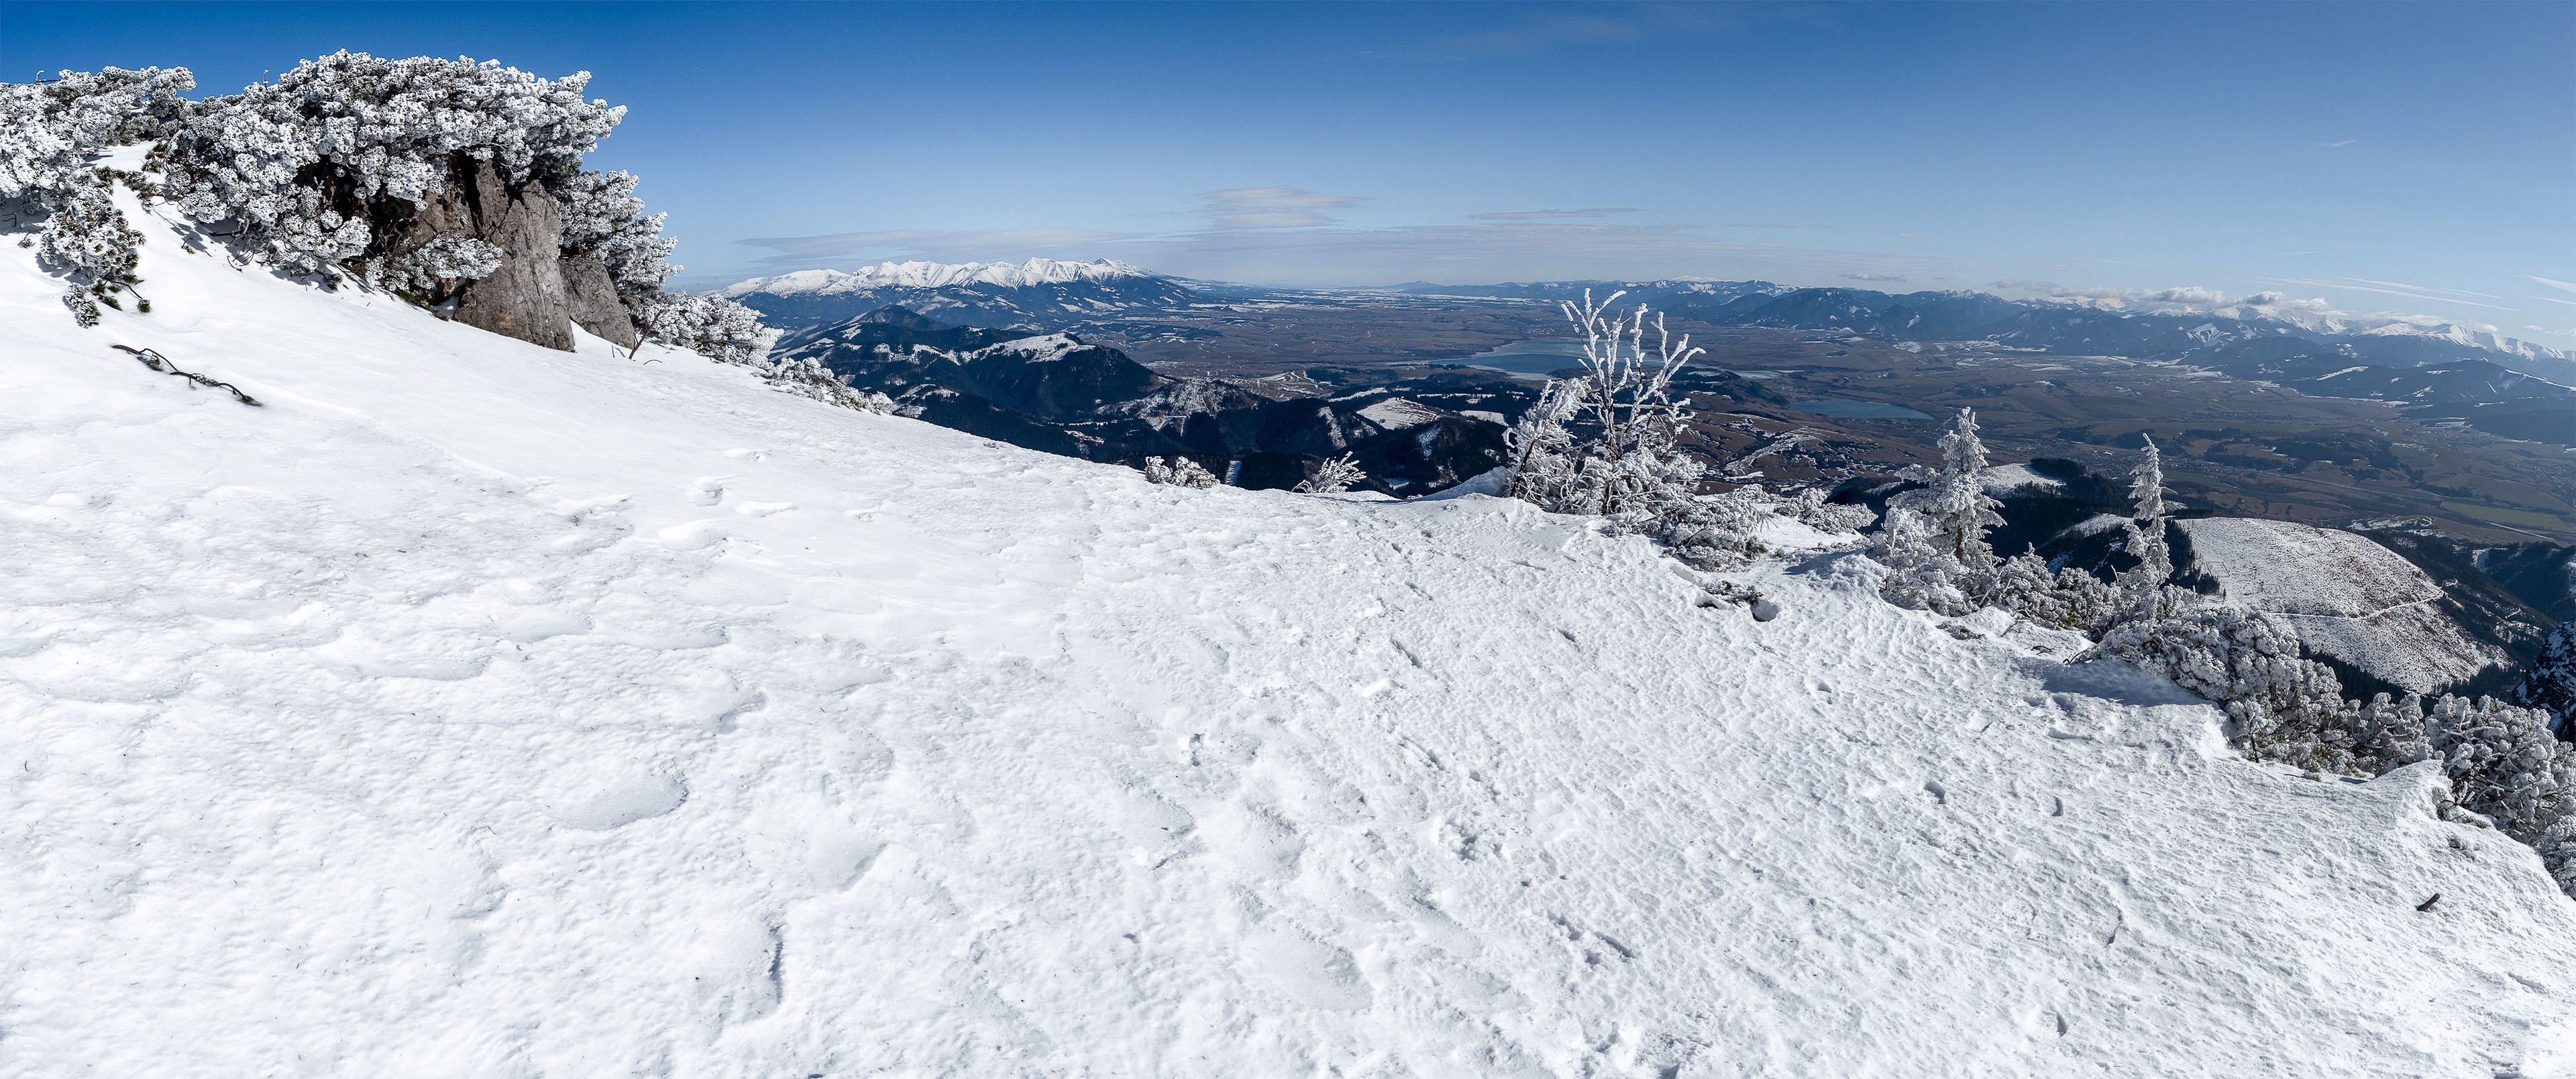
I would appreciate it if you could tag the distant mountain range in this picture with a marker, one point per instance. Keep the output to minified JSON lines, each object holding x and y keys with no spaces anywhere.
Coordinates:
{"x":1040,"y":294}
{"x":2500,"y":384}
{"x":2146,"y":328}
{"x":1060,"y":394}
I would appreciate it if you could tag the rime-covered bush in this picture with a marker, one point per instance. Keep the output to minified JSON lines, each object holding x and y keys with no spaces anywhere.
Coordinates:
{"x":711,"y":326}
{"x":1920,"y":574}
{"x":1178,"y":471}
{"x":1607,"y":444}
{"x":2504,"y":764}
{"x":805,"y":376}
{"x":2283,"y":707}
{"x":2067,"y":598}
{"x":310,"y":164}
{"x":2550,"y":684}
{"x":1810,"y":508}
{"x":88,"y":238}
{"x":1334,"y":476}
{"x":604,"y":220}
{"x":50,"y":132}
{"x":437,"y":265}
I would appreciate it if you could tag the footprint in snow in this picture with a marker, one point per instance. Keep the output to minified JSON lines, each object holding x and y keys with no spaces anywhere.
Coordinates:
{"x":764,"y":509}
{"x":708,"y":491}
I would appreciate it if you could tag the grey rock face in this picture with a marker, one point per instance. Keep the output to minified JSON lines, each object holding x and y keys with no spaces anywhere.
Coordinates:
{"x":592,"y":298}
{"x":526,"y":298}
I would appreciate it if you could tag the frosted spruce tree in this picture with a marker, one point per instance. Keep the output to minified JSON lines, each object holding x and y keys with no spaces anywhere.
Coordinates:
{"x":1937,"y":552}
{"x":2144,"y":586}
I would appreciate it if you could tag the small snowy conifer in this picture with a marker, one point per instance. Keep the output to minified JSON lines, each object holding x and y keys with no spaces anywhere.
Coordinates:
{"x":2144,"y":586}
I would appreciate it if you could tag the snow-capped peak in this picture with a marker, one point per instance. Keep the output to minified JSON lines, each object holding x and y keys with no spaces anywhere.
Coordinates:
{"x":1036,"y":271}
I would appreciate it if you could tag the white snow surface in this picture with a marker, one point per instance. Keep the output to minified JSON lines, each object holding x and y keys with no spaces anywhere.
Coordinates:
{"x":1397,"y":414}
{"x":2001,"y":479}
{"x":2344,"y":595}
{"x":473,"y":709}
{"x":1036,"y":271}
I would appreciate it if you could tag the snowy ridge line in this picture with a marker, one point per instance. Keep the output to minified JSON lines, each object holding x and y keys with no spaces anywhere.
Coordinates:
{"x":1036,"y":271}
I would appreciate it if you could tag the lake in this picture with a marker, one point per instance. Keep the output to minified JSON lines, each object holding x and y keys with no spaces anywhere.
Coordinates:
{"x":1859,"y":410}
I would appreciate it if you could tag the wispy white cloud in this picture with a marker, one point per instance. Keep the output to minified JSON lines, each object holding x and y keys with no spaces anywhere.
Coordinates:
{"x":1272,"y":207}
{"x":2409,"y":292}
{"x":2346,"y":142}
{"x":1543,"y":215}
{"x":2424,"y":288}
{"x":1872,"y":276}
{"x":2569,"y":286}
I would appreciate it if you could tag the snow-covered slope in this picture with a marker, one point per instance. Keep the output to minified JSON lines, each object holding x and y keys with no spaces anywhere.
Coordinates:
{"x":2346,"y":596}
{"x":473,"y":709}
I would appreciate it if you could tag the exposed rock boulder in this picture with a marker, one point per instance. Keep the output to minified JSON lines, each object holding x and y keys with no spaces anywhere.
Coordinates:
{"x":529,"y":296}
{"x":592,"y":297}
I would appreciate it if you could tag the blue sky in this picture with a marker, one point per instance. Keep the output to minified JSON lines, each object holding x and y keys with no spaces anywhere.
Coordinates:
{"x":2386,"y":157}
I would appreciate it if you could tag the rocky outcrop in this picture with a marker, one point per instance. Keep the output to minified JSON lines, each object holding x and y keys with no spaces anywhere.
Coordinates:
{"x":591,"y":296}
{"x":537,"y":294}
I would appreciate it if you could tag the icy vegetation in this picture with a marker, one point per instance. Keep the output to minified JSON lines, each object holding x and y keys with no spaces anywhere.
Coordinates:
{"x":425,"y":177}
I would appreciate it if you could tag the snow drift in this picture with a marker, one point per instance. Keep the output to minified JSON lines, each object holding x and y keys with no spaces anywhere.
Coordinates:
{"x":476,"y":709}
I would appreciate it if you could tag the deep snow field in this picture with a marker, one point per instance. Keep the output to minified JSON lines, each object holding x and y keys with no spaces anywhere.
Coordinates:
{"x":472,"y":709}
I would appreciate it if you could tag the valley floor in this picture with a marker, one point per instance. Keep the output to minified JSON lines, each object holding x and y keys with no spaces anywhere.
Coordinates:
{"x":477,"y":710}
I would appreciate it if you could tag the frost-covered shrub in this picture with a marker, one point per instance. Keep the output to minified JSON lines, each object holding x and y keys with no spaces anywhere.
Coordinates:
{"x":438,"y":265}
{"x":1810,"y":508}
{"x":87,"y":237}
{"x":311,"y":164}
{"x":2283,"y":706}
{"x":711,"y":326}
{"x":604,"y":220}
{"x":1334,"y":476}
{"x":2502,"y":760}
{"x":2067,"y":599}
{"x":2550,"y":684}
{"x":1920,"y":574}
{"x":1178,"y":471}
{"x":49,"y":132}
{"x":805,"y":376}
{"x":1607,"y":444}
